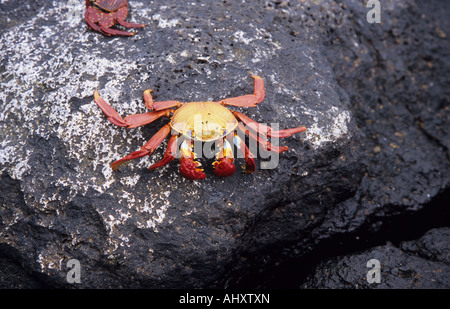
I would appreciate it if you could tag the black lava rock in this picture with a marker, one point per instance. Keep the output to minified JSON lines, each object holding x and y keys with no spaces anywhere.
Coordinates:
{"x":374,"y":99}
{"x":421,"y":264}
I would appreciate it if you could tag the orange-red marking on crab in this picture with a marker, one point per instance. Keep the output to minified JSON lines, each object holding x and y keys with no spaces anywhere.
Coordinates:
{"x":101,"y":15}
{"x":204,"y":122}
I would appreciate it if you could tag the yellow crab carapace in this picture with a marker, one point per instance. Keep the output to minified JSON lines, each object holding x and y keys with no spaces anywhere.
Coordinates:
{"x":204,"y":121}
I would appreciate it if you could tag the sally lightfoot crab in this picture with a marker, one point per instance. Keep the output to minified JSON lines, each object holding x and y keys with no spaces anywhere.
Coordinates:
{"x":101,"y":15}
{"x":201,"y":122}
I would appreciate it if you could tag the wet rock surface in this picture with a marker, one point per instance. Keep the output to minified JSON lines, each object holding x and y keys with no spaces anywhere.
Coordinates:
{"x":421,"y":264}
{"x":373,"y":97}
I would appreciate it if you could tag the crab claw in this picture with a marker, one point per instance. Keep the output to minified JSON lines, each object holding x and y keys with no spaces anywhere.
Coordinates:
{"x":224,"y":167}
{"x":189,"y":169}
{"x":249,"y":166}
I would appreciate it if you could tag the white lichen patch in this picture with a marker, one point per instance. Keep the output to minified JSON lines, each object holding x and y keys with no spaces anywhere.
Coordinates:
{"x":337,"y":128}
{"x":50,"y":259}
{"x":48,"y":88}
{"x":327,"y":122}
{"x":165,"y":23}
{"x":263,"y":45}
{"x":240,"y":36}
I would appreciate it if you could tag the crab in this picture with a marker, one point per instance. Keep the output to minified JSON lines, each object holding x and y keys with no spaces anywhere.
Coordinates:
{"x":201,"y":122}
{"x":101,"y":15}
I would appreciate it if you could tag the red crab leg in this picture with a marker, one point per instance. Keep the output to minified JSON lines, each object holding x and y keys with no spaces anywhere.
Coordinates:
{"x":90,"y":23}
{"x":121,"y":15}
{"x":111,"y":32}
{"x":250,"y":166}
{"x":147,"y":149}
{"x":285,"y":132}
{"x":107,"y":22}
{"x":131,"y":121}
{"x":156,"y":106}
{"x":252,"y":124}
{"x":266,"y":130}
{"x":92,"y":17}
{"x":95,"y":27}
{"x":249,"y":100}
{"x":138,"y":120}
{"x":169,"y":155}
{"x":262,"y":141}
